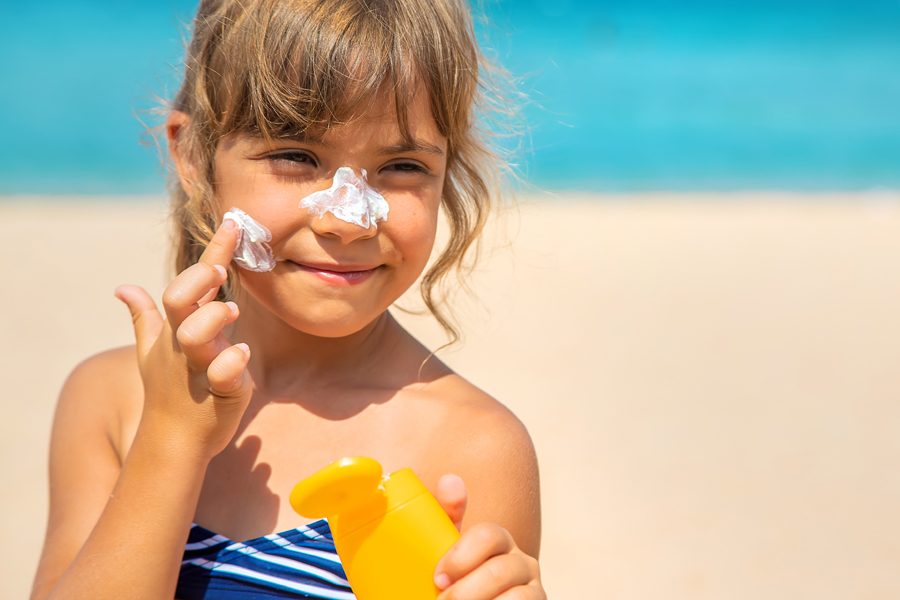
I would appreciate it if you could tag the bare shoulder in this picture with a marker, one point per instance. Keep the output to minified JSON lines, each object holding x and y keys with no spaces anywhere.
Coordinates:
{"x":481,"y":440}
{"x":100,"y":396}
{"x":104,"y":390}
{"x":477,"y":419}
{"x":120,"y":363}
{"x":114,"y":367}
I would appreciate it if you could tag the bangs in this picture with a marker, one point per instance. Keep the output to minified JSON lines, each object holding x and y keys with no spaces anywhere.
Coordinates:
{"x":296,"y":68}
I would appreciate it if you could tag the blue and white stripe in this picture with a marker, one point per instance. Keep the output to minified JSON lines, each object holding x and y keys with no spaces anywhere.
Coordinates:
{"x":298,"y":563}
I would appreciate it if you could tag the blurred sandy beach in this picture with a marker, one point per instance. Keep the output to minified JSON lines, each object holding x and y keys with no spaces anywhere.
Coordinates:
{"x":711,"y":383}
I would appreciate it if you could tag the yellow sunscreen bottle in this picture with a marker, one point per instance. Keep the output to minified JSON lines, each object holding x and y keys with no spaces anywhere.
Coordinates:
{"x":389,"y":531}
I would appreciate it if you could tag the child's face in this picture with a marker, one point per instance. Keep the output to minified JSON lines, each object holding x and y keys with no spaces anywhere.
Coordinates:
{"x":333,"y":277}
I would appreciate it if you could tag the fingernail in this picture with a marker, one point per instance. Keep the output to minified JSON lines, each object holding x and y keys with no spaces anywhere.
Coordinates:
{"x":232,"y":306}
{"x":221,"y":270}
{"x":441,"y":580}
{"x":244,"y":348}
{"x":228,"y":224}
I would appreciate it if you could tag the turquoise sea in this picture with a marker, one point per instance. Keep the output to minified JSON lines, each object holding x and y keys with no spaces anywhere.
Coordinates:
{"x":623,"y":96}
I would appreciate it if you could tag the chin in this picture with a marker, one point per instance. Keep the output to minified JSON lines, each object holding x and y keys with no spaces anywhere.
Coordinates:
{"x":342,"y":315}
{"x":327,"y":330}
{"x":333,"y":325}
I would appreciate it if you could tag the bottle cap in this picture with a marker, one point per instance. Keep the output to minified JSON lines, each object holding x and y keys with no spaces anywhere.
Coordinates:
{"x":338,"y":488}
{"x":352,"y":492}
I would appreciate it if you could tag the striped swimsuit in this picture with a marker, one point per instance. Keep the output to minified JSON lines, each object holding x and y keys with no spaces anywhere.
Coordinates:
{"x":298,"y":563}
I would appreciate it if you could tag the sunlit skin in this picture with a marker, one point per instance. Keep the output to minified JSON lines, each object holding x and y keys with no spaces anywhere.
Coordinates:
{"x":228,"y":405}
{"x":268,"y":181}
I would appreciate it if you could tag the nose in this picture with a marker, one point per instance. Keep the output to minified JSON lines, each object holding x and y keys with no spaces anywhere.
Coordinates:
{"x":330,"y":226}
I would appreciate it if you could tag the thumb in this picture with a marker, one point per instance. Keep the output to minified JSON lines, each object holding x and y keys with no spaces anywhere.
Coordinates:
{"x":452,"y":495}
{"x":144,"y":315}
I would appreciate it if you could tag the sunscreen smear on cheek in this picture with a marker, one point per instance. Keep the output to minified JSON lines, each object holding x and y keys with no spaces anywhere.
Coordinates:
{"x":252,"y":252}
{"x":350,"y":199}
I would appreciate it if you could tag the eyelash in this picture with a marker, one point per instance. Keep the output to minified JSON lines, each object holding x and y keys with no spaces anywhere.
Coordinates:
{"x":407,"y":167}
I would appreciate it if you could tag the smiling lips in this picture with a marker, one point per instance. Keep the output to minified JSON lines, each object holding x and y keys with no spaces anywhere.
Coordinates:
{"x":338,"y":274}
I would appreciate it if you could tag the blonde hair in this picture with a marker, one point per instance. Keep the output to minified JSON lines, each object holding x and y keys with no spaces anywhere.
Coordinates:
{"x":285,"y":68}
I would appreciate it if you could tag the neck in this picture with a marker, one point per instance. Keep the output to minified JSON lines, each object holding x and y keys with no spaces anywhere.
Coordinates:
{"x":286,"y":361}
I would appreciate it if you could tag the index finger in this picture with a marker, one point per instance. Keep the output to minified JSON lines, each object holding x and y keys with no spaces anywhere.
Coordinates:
{"x":220,"y":249}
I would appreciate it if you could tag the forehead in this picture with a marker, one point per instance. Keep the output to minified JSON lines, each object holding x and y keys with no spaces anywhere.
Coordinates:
{"x":379,"y":119}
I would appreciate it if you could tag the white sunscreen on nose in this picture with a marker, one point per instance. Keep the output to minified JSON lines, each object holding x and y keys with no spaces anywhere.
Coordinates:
{"x":350,"y":199}
{"x":253,"y":252}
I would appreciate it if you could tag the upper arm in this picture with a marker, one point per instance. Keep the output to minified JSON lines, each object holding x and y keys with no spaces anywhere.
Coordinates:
{"x":498,"y":463}
{"x":84,"y":460}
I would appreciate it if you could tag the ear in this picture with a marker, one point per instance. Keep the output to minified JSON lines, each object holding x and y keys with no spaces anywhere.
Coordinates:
{"x":176,"y":125}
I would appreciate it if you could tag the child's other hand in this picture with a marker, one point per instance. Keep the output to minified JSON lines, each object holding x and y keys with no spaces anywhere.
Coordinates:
{"x":196,"y":385}
{"x":485,"y":563}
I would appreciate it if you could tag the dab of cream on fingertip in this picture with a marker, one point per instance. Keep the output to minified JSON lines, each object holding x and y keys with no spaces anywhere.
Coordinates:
{"x":252,"y":252}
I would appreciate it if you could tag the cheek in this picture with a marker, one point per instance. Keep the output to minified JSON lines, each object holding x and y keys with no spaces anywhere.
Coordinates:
{"x":249,"y":186}
{"x":276,"y":208}
{"x":412,"y":226}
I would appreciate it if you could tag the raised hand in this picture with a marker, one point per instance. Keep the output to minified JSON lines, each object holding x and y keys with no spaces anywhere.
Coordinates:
{"x":486,"y":563}
{"x":196,"y":384}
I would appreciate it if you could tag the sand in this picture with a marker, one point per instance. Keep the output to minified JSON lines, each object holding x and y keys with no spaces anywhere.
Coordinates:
{"x":711,"y":382}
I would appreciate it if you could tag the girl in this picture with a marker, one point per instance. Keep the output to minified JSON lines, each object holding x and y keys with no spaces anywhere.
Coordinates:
{"x":250,"y":380}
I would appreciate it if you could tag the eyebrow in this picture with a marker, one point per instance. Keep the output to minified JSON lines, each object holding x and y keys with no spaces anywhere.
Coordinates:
{"x":412,"y":146}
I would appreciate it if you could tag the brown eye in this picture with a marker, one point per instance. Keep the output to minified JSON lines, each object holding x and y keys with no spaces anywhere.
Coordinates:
{"x":406,"y":167}
{"x":294,"y":158}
